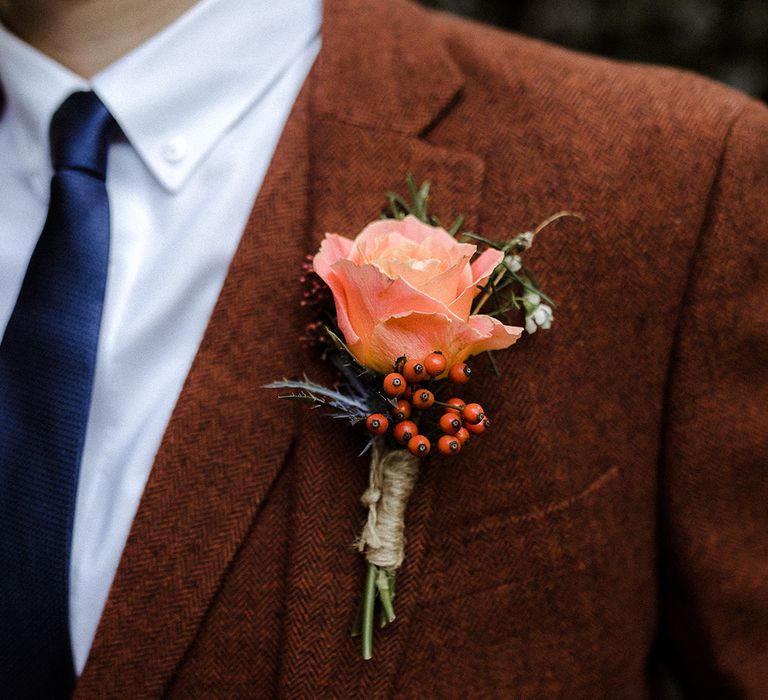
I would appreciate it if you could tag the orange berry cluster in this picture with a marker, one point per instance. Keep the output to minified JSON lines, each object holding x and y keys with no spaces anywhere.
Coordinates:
{"x":458,"y":422}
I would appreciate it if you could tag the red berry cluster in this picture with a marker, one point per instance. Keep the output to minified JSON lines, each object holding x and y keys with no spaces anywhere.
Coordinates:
{"x":314,"y":336}
{"x":316,"y":296}
{"x":458,"y":422}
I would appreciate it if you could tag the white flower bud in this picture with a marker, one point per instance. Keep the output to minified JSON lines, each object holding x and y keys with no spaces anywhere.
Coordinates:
{"x":537,"y":316}
{"x":531,"y":299}
{"x":543,"y":316}
{"x":513,"y":262}
{"x":524,"y":240}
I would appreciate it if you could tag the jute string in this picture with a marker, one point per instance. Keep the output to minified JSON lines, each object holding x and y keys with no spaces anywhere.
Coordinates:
{"x":391,"y":480}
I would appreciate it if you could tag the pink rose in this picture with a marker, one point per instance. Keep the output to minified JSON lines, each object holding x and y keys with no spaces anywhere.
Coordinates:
{"x":405,"y":288}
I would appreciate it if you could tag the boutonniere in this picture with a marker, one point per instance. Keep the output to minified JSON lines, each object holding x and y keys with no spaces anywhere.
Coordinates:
{"x":399,"y":310}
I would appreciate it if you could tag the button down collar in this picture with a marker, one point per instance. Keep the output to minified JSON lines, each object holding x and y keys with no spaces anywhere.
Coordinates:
{"x":177,"y":94}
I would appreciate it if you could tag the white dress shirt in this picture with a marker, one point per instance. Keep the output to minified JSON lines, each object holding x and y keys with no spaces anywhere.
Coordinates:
{"x":202,"y":105}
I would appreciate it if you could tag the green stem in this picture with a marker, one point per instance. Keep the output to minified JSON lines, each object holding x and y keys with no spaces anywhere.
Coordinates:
{"x":391,"y":580}
{"x":493,"y":363}
{"x":446,"y":405}
{"x":505,"y":309}
{"x":369,"y":598}
{"x":487,"y":241}
{"x":531,"y":288}
{"x":382,"y":583}
{"x":383,"y":622}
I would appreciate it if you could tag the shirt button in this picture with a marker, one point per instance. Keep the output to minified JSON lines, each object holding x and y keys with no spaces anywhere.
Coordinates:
{"x":175,"y":150}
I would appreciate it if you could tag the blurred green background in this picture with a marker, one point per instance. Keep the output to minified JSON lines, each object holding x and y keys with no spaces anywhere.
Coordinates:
{"x":725,"y":39}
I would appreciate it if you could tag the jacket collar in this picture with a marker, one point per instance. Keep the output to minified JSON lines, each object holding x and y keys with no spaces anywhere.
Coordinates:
{"x":393,"y":79}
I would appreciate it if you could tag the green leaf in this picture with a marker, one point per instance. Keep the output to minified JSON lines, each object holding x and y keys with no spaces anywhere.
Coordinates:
{"x":490,"y":243}
{"x":456,"y":226}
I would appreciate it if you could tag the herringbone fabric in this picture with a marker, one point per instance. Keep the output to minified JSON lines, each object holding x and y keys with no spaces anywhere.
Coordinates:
{"x":613,"y":520}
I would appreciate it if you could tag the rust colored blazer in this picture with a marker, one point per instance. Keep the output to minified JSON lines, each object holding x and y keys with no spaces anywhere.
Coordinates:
{"x":615,"y":522}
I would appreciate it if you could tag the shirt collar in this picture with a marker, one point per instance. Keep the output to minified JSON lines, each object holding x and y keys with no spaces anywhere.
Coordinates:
{"x":179,"y":92}
{"x":33,"y":88}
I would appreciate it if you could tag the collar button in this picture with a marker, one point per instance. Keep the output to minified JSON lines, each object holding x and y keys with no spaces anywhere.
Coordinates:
{"x":175,"y":150}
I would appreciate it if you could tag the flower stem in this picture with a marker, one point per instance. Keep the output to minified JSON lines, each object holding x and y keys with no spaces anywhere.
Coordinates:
{"x":555,"y":217}
{"x":357,"y":625}
{"x":369,"y":598}
{"x":382,"y":583}
{"x":382,"y":618}
{"x":445,"y":405}
{"x":487,"y":293}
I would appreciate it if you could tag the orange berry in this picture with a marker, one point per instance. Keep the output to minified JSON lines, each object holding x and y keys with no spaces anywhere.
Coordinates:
{"x":419,"y":445}
{"x":394,"y":384}
{"x":435,"y":363}
{"x":478,"y":428}
{"x":377,"y":424}
{"x":402,"y":410}
{"x":450,"y":423}
{"x":404,"y":431}
{"x":414,"y":371}
{"x":473,"y":413}
{"x":456,"y":405}
{"x":423,"y":398}
{"x":449,"y":445}
{"x":462,"y":434}
{"x":459,"y":373}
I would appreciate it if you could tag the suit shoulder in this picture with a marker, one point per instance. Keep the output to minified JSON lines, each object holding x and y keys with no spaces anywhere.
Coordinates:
{"x":502,"y":67}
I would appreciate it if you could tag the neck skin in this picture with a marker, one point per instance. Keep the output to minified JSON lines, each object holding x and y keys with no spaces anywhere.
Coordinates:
{"x":88,"y":35}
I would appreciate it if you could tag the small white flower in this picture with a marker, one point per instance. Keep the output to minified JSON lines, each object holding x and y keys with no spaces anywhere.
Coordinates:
{"x":524,"y":240}
{"x":531,"y":301}
{"x":513,"y":262}
{"x":537,"y":315}
{"x":543,"y":316}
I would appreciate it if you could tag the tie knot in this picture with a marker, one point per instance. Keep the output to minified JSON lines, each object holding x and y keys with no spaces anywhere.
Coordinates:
{"x":81,"y":130}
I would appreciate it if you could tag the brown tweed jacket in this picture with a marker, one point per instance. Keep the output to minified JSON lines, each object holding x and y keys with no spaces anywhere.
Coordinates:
{"x":617,"y":517}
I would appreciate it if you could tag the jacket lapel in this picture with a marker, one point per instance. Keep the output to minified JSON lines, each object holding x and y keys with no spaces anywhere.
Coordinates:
{"x":222,"y":450}
{"x":370,"y":128}
{"x":325,"y":573}
{"x":360,"y":124}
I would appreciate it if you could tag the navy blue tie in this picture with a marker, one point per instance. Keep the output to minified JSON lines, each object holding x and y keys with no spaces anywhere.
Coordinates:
{"x":47,"y":360}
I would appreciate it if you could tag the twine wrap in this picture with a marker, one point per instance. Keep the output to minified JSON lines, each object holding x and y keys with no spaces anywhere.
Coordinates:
{"x":392,"y":477}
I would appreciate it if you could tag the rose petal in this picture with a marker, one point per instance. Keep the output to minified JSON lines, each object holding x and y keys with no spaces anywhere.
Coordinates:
{"x":343,"y":320}
{"x":494,"y":335}
{"x":418,"y":334}
{"x":333,"y":248}
{"x":364,"y":296}
{"x":417,"y":230}
{"x":412,"y":334}
{"x":411,"y":228}
{"x":450,"y":283}
{"x":480,"y":272}
{"x":485,"y":264}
